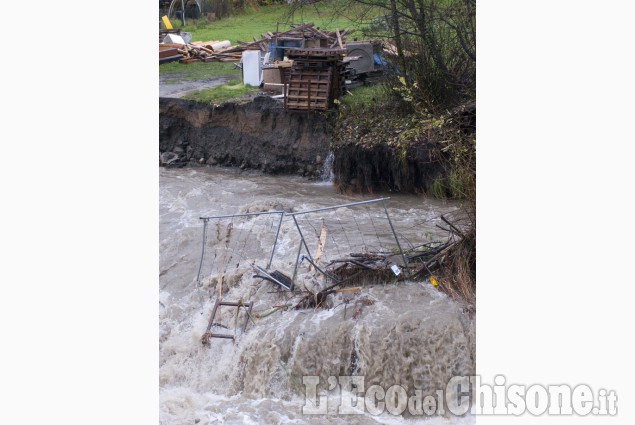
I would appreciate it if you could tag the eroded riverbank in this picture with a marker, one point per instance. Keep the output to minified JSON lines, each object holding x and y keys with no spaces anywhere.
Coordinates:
{"x":259,"y":135}
{"x":252,"y":135}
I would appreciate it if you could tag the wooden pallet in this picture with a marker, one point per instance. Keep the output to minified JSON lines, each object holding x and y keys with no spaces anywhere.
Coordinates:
{"x":309,"y":90}
{"x":316,"y":78}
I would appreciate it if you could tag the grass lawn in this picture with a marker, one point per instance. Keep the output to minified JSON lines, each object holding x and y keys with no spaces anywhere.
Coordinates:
{"x":243,"y":26}
{"x":197,"y":70}
{"x":219,"y":94}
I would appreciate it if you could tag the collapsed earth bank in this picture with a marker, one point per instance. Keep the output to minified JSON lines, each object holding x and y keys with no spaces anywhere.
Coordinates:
{"x":260,"y":135}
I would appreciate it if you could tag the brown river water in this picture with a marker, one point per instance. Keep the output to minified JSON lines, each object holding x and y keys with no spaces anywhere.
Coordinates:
{"x":405,"y":333}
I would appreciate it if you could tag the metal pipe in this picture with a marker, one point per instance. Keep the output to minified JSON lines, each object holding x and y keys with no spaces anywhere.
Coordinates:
{"x":241,"y":215}
{"x":339,"y":206}
{"x":276,"y":240}
{"x":200,"y":266}
{"x":302,"y":237}
{"x":297,"y":261}
{"x":321,"y":271}
{"x":396,"y":238}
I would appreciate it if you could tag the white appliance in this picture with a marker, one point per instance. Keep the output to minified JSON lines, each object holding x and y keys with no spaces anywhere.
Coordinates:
{"x":252,"y":68}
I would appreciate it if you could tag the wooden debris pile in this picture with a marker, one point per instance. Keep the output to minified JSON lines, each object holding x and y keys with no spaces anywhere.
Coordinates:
{"x":277,"y":43}
{"x":168,"y":54}
{"x":299,"y":36}
{"x":206,"y":52}
{"x":423,"y":261}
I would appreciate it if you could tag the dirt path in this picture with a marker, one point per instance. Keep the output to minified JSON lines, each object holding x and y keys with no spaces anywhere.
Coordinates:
{"x":173,"y":85}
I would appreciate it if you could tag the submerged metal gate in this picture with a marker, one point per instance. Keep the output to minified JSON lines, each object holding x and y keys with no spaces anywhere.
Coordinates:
{"x":247,"y":235}
{"x":376,"y":233}
{"x":237,"y":235}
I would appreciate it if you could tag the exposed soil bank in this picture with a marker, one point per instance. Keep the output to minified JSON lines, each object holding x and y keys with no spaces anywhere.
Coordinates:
{"x":260,"y":135}
{"x":362,"y":168}
{"x":377,"y":148}
{"x":257,"y":135}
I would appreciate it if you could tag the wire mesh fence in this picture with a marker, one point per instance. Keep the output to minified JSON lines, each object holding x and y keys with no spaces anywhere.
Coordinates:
{"x":359,"y":228}
{"x":233,"y":244}
{"x":238,"y":243}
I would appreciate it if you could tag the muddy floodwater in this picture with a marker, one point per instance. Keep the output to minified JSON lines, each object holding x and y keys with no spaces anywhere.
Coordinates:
{"x":396,"y":333}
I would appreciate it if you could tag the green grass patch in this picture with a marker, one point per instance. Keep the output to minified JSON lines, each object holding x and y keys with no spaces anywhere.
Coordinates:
{"x":363,"y":96}
{"x":197,"y":70}
{"x":219,"y":94}
{"x":452,"y":186}
{"x":252,"y":22}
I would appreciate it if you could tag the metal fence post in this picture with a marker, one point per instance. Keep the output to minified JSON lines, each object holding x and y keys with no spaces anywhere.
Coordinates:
{"x":200,"y":266}
{"x":275,"y":240}
{"x":403,"y":257}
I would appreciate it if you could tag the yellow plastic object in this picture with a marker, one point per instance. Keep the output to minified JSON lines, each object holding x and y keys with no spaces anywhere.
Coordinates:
{"x":433,"y":281}
{"x":166,"y":22}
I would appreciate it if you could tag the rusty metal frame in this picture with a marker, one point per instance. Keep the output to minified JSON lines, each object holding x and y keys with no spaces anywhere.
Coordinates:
{"x":303,"y":243}
{"x":206,"y":219}
{"x":208,"y":333}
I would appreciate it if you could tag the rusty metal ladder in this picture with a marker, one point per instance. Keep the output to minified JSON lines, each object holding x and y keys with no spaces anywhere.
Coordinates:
{"x":208,"y":333}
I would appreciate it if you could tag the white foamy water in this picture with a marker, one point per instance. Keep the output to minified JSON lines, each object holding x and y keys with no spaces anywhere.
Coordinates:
{"x":406,"y":333}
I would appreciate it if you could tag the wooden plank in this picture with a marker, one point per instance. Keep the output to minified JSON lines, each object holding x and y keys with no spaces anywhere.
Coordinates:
{"x":339,"y":38}
{"x":303,"y":81}
{"x":302,"y":107}
{"x":304,"y":77}
{"x":168,"y":52}
{"x":304,"y":84}
{"x":308,"y":97}
{"x":170,"y":59}
{"x":310,"y":73}
{"x":170,"y":46}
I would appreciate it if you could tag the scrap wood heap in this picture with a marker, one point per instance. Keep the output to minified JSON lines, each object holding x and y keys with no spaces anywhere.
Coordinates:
{"x":300,"y":35}
{"x":207,"y":51}
{"x":424,"y":261}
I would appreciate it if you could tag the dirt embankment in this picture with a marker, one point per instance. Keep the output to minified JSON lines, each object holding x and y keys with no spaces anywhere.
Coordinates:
{"x":376,"y":149}
{"x":362,"y":168}
{"x":370,"y":152}
{"x":255,"y":135}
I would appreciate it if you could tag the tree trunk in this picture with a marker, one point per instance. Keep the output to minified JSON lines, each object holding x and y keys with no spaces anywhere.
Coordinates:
{"x":397,"y":30}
